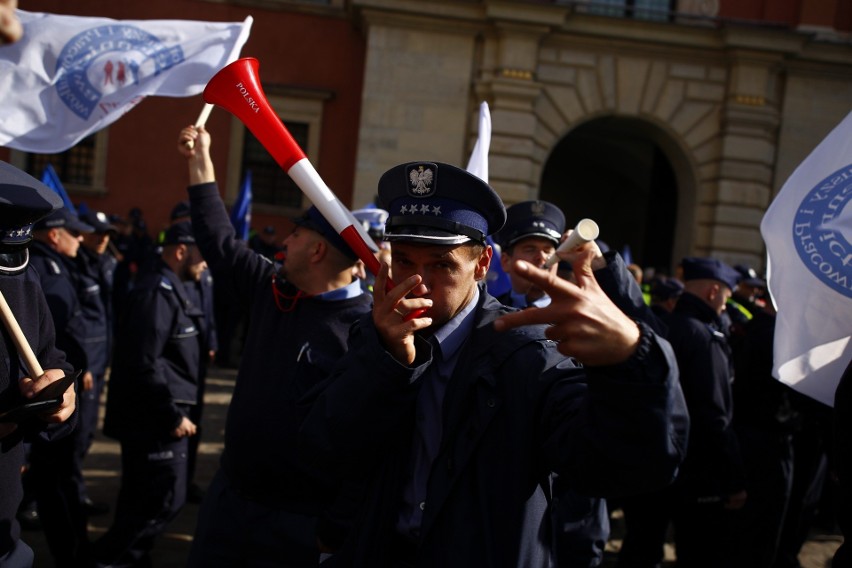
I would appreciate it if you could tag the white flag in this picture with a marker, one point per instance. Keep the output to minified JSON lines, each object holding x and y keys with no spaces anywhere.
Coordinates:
{"x":808,"y":234}
{"x":478,"y":163}
{"x":70,"y":76}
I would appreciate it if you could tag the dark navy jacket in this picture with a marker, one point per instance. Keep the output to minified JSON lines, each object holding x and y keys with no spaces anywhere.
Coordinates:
{"x":515,"y":410}
{"x":55,"y":274}
{"x":290,"y":348}
{"x":713,"y":467}
{"x":26,"y":300}
{"x":157,"y":360}
{"x":96,"y":274}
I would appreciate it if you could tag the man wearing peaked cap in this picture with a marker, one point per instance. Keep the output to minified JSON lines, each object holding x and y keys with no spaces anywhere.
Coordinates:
{"x":24,"y":200}
{"x":711,"y":484}
{"x":266,"y":506}
{"x":95,"y":269}
{"x":159,"y":345}
{"x":532,"y":232}
{"x":54,"y":467}
{"x":456,"y":423}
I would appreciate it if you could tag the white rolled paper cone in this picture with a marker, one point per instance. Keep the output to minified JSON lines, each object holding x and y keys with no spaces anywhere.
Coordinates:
{"x":585,"y":231}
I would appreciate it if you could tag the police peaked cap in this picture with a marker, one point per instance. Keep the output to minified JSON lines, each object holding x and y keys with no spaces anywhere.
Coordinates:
{"x":440,"y":204}
{"x":314,"y":220}
{"x":710,"y":269}
{"x":99,"y":222}
{"x":663,"y":288}
{"x":179,"y":233}
{"x":65,"y":218}
{"x":23,"y":201}
{"x":531,"y":219}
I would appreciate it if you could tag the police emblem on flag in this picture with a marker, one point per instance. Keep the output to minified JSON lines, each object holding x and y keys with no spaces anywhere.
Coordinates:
{"x":104,"y":59}
{"x":818,"y":235}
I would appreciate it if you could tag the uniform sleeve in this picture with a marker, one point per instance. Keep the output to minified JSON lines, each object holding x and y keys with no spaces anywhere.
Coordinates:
{"x":150,"y":316}
{"x":621,"y":287}
{"x":227,"y":256}
{"x":616,"y":430}
{"x":67,"y":316}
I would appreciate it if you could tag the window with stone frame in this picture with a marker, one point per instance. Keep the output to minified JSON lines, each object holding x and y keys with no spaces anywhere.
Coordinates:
{"x":273,"y":191}
{"x":81,"y":168}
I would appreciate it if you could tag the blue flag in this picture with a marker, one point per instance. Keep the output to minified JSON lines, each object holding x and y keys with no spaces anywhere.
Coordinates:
{"x":51,"y":180}
{"x":497,"y":281}
{"x":241,"y":209}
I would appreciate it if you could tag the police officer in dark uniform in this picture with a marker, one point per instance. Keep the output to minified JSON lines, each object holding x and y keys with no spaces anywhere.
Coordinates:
{"x":156,"y":365}
{"x":710,"y":487}
{"x":457,"y":424}
{"x":532,"y":232}
{"x":266,"y":506}
{"x":55,"y":469}
{"x":201,"y":292}
{"x":93,"y":280}
{"x":24,"y":200}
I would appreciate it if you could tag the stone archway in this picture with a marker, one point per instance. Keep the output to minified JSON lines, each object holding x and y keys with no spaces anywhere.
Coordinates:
{"x":617,"y":171}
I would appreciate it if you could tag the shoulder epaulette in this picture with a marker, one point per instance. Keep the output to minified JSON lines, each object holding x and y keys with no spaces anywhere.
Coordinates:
{"x":165,"y":284}
{"x":54,"y":266}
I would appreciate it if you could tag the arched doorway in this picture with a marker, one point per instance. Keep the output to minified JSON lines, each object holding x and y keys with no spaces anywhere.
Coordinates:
{"x":613,"y":170}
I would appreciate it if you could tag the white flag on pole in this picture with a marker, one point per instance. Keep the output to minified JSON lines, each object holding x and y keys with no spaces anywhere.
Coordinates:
{"x":478,"y":162}
{"x":808,"y":235}
{"x":70,"y":76}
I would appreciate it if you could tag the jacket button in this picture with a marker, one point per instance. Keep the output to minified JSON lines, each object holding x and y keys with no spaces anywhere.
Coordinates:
{"x":423,"y":505}
{"x":491,"y":403}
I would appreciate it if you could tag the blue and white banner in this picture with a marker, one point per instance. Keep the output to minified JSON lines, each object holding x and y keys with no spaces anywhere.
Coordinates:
{"x":70,"y":76}
{"x":808,"y":235}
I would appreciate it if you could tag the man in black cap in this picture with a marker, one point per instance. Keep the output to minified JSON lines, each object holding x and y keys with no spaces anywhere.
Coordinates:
{"x":265,"y":505}
{"x":55,"y":469}
{"x":24,"y":200}
{"x":92,"y":277}
{"x":665,"y":291}
{"x":456,"y":427}
{"x":152,"y":388}
{"x":202,"y":293}
{"x":532,"y":232}
{"x":711,"y":484}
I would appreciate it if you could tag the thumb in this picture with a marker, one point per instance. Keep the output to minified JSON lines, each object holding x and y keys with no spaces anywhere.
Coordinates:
{"x":583,"y":269}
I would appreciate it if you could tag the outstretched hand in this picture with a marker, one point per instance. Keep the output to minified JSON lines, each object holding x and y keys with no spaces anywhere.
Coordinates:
{"x":583,"y":320}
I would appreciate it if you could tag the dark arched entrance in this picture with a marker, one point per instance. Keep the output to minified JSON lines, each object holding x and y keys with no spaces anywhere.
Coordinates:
{"x":611,"y":170}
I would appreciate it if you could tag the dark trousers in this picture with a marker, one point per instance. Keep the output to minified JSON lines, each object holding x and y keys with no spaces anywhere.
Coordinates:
{"x":646,"y":522}
{"x":152,"y":493}
{"x":768,"y":458}
{"x":234,"y":531}
{"x":63,"y":517}
{"x":704,"y":535}
{"x":88,"y":403}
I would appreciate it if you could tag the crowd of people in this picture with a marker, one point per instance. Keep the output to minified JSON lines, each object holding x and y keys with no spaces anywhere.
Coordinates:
{"x":414,"y":417}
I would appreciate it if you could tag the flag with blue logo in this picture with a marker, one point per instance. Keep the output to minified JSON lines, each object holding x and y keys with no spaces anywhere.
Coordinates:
{"x":808,"y":235}
{"x":50,"y":178}
{"x":241,"y":209}
{"x":497,"y":281}
{"x":70,"y":76}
